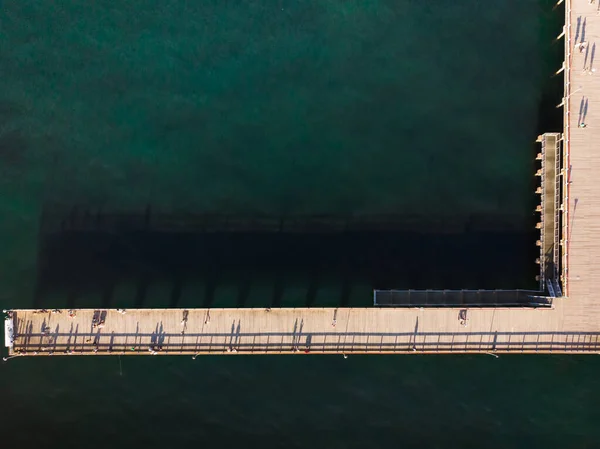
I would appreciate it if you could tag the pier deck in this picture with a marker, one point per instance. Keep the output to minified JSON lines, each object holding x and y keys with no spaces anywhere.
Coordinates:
{"x":302,"y":330}
{"x":550,"y":213}
{"x":571,"y":324}
{"x":581,"y":234}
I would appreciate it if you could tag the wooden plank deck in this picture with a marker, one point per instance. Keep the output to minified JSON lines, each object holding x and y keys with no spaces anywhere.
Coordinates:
{"x":301,"y":330}
{"x":582,"y":151}
{"x":572,"y":325}
{"x":548,"y":235}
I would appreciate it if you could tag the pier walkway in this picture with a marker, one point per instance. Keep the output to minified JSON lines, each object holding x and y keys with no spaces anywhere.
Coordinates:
{"x":581,"y":224}
{"x":296,"y":331}
{"x":550,"y":211}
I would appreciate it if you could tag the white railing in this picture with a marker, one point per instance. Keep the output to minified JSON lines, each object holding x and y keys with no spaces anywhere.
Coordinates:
{"x":556,"y":246}
{"x":542,"y":213}
{"x":566,"y":147}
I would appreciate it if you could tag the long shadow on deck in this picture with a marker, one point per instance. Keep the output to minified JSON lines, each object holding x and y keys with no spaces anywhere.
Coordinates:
{"x":86,"y":257}
{"x":296,"y":339}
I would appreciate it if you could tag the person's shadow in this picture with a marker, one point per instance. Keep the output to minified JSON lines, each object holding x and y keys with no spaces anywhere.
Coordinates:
{"x":580,"y":116}
{"x":577,"y":29}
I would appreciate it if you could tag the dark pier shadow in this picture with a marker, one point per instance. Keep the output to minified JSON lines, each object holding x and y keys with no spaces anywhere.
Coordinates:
{"x":244,"y":288}
{"x":211,"y":284}
{"x":278,"y":289}
{"x":91,"y":254}
{"x":178,"y":283}
{"x":313,"y":287}
{"x":141,"y":289}
{"x":346,"y":288}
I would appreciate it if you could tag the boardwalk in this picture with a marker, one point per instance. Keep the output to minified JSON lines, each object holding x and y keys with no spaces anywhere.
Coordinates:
{"x":571,"y":325}
{"x":294,"y":331}
{"x":549,"y":209}
{"x":581,"y":237}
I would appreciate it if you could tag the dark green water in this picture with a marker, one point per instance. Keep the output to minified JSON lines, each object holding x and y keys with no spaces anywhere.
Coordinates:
{"x":283,"y":107}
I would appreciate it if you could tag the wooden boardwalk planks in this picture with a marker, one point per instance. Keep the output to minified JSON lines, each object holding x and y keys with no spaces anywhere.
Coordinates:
{"x":583,"y":163}
{"x":301,"y":330}
{"x":548,"y":232}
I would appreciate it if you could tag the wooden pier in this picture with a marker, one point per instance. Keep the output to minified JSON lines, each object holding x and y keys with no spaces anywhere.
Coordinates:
{"x":550,"y":214}
{"x":581,"y":224}
{"x":570,"y":325}
{"x":296,"y":331}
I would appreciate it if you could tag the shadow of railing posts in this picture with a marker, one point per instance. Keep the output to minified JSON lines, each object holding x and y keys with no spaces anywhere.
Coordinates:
{"x":299,"y":341}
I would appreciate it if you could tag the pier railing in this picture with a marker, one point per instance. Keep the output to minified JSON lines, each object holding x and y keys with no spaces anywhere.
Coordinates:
{"x":557,"y":213}
{"x":290,"y":342}
{"x":550,"y":211}
{"x":467,"y":298}
{"x":566,"y":172}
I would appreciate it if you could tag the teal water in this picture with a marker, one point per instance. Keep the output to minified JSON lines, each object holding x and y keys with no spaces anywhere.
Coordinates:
{"x":283,"y":107}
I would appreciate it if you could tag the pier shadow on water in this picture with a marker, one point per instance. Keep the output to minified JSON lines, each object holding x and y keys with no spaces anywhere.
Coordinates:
{"x":97,"y":259}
